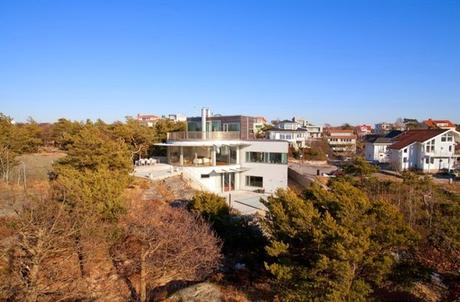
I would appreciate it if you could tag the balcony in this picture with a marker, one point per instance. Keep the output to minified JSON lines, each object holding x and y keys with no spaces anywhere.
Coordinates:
{"x":198,"y":135}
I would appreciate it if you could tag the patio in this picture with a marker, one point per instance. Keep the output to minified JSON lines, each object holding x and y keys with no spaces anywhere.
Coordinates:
{"x":155,"y":172}
{"x":246,"y":202}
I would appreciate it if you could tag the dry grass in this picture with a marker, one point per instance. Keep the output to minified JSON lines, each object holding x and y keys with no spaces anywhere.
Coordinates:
{"x":37,"y":165}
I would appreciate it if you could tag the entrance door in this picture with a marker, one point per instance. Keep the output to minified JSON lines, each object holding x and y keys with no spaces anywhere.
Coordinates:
{"x":228,"y":181}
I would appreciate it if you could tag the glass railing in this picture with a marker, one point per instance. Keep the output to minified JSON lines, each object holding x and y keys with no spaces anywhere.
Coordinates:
{"x":198,"y":135}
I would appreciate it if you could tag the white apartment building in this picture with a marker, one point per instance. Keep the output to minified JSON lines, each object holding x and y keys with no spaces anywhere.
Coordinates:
{"x":427,"y":150}
{"x":221,"y":154}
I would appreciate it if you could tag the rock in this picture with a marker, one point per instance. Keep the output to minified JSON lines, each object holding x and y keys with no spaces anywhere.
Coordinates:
{"x":198,"y":293}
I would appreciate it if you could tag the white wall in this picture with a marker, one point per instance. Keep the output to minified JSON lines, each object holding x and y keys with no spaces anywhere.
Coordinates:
{"x":274,"y":175}
{"x":213,"y":183}
{"x":417,"y":154}
{"x":440,"y":154}
{"x":395,"y":159}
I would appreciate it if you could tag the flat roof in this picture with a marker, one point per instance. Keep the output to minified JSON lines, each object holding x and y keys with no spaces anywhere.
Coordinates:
{"x":205,"y":143}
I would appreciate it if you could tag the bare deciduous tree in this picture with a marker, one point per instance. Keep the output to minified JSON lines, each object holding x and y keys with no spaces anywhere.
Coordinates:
{"x":38,"y":260}
{"x":160,"y":244}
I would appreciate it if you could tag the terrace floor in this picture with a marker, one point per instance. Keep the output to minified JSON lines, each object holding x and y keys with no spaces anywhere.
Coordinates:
{"x":246,"y":202}
{"x":155,"y":172}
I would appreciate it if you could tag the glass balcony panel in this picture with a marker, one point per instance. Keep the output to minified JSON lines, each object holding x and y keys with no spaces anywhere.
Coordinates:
{"x":198,"y":135}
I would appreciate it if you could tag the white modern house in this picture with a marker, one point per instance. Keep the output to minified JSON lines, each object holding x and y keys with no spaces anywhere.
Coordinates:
{"x":427,"y":150}
{"x":313,"y":130}
{"x":220,"y":154}
{"x":297,"y":132}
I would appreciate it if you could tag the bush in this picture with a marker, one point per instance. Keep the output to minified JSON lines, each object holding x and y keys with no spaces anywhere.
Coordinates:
{"x":209,"y":205}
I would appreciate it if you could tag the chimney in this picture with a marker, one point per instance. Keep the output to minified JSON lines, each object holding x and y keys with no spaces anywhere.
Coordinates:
{"x":204,"y":114}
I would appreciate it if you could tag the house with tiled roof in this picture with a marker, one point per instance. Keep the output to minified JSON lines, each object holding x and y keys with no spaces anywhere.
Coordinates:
{"x":427,"y":150}
{"x":147,"y":119}
{"x":362,"y":130}
{"x":342,"y":142}
{"x":439,"y":124}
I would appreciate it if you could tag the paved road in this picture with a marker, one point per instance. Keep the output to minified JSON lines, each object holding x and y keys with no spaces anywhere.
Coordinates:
{"x":311,"y":169}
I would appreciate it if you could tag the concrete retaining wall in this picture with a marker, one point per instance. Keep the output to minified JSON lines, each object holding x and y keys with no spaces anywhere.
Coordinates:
{"x":301,"y":179}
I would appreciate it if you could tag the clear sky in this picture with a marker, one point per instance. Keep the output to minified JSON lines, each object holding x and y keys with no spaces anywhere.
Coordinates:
{"x":327,"y":61}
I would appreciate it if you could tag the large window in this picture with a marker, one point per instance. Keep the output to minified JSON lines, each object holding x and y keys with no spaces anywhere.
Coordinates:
{"x":255,"y":181}
{"x":267,"y":157}
{"x":429,"y":146}
{"x":231,"y":127}
{"x":226,"y":155}
{"x":216,"y":125}
{"x":193,"y":126}
{"x":255,"y":157}
{"x":446,"y":138}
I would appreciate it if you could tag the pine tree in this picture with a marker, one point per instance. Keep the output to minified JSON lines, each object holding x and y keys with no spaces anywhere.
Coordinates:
{"x":332,"y":245}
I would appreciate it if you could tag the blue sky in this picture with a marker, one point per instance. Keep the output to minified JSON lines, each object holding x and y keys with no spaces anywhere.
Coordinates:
{"x":328,"y":61}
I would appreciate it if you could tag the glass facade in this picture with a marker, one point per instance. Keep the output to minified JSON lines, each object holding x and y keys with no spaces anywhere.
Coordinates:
{"x":267,"y":157}
{"x":213,"y":126}
{"x":254,"y":181}
{"x":192,"y":156}
{"x":231,"y":127}
{"x":193,"y":126}
{"x":202,"y":156}
{"x":226,"y":155}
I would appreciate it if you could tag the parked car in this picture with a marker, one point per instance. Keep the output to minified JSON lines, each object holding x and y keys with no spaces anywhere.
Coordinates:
{"x":448,"y":174}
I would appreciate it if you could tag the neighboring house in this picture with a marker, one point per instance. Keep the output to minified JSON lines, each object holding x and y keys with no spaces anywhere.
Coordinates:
{"x":289,"y":125}
{"x":363,"y":130}
{"x":147,"y":119}
{"x":383,"y":128}
{"x":259,"y":124}
{"x":427,"y":150}
{"x":314,"y":131}
{"x":411,"y":123}
{"x":297,"y":132}
{"x":296,"y":138}
{"x":220,"y":154}
{"x":376,"y":146}
{"x":342,"y":142}
{"x":440,"y":124}
{"x":176,"y":117}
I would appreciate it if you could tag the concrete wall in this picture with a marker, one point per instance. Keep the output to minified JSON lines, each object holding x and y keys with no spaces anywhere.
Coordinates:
{"x":214,"y":182}
{"x":299,"y":178}
{"x":274,"y":175}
